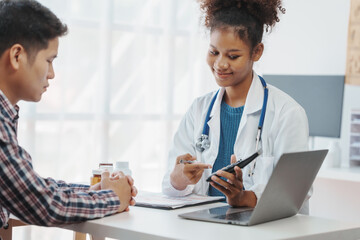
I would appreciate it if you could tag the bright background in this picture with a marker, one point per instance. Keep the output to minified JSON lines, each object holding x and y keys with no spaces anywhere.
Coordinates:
{"x":129,"y":69}
{"x":125,"y":74}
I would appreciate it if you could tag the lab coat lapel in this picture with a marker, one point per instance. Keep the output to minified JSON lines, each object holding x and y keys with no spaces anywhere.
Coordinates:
{"x":253,"y":104}
{"x":214,"y":129}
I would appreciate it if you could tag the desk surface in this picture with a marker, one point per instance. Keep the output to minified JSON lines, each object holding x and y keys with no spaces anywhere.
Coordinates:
{"x":148,"y":223}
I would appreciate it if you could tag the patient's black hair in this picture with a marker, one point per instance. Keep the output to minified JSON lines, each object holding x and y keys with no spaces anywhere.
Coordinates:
{"x":28,"y":23}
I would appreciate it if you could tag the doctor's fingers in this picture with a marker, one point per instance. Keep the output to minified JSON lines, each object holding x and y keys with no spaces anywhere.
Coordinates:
{"x":222,"y":189}
{"x":233,"y":159}
{"x":231,"y":182}
{"x":238,"y":173}
{"x":187,"y":156}
{"x":197,"y":166}
{"x":195,"y":179}
{"x":193,"y":176}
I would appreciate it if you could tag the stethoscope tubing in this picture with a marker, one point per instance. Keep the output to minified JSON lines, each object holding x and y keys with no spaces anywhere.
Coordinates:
{"x":206,"y":129}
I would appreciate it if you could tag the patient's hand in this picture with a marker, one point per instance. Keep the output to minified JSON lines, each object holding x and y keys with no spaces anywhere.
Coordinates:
{"x":120,"y":186}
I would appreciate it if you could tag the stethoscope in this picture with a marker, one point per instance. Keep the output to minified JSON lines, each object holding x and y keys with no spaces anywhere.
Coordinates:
{"x":203,"y":142}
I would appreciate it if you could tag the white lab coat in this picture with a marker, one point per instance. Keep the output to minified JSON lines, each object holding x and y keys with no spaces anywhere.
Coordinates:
{"x":285,"y":129}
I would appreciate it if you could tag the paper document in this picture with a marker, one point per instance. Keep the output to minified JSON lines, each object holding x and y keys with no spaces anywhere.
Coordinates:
{"x":159,"y":200}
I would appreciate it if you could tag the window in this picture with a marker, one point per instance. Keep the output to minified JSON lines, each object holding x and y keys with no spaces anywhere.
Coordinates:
{"x":125,"y":74}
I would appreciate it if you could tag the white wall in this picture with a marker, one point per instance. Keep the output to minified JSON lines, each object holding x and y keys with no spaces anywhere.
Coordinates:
{"x":311,"y":38}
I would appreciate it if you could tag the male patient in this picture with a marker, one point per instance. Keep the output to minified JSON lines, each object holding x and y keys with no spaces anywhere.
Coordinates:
{"x":29,"y":39}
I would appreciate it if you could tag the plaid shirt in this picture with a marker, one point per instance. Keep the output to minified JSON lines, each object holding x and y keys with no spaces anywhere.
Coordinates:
{"x":36,"y":200}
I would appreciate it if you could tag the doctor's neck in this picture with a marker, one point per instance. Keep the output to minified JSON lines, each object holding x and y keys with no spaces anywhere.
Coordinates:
{"x":235,"y":96}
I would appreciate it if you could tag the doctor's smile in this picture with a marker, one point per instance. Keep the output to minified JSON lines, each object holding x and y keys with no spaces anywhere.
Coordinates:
{"x":222,"y":75}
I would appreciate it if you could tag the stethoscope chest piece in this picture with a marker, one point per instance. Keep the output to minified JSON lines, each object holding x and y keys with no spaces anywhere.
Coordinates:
{"x":203,"y":143}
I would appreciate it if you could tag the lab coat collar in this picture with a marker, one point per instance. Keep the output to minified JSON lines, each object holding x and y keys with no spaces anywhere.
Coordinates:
{"x":217,"y":103}
{"x":255,"y":96}
{"x":254,"y":99}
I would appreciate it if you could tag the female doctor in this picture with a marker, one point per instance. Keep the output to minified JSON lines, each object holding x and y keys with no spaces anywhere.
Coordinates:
{"x":243,"y":116}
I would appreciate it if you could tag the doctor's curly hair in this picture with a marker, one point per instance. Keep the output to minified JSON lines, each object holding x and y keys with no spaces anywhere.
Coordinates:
{"x":249,"y":18}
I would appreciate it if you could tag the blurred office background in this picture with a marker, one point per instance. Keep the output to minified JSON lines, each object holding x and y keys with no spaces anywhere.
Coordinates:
{"x":129,"y":69}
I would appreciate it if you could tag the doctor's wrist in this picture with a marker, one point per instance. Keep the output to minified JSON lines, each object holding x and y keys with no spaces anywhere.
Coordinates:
{"x":249,"y":199}
{"x":177,"y":181}
{"x":177,"y":185}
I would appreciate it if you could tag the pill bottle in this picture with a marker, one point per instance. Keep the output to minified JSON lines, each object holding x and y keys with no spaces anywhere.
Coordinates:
{"x":122,"y":166}
{"x":96,"y":177}
{"x":107,"y":166}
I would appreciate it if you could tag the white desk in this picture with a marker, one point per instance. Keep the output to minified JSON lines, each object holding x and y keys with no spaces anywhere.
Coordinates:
{"x":351,"y":174}
{"x":147,"y":223}
{"x":336,"y":194}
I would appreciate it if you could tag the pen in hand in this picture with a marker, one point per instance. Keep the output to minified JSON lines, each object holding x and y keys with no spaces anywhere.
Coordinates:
{"x":182,"y":161}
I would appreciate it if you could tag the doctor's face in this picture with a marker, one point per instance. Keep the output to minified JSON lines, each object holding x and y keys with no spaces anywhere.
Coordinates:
{"x":230,"y":58}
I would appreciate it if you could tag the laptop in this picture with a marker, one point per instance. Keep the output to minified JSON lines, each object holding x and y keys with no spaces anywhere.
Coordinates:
{"x":283,"y":195}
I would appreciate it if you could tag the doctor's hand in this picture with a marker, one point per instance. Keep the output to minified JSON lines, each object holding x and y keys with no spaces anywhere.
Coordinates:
{"x":185,"y":174}
{"x":232,"y":188}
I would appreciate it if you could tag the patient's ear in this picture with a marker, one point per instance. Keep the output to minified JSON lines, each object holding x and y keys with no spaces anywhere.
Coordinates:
{"x":17,"y":55}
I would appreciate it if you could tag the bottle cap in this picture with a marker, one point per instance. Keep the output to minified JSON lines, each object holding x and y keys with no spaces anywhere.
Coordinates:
{"x":108,"y":166}
{"x":105,"y":164}
{"x":119,"y":165}
{"x":96,"y":172}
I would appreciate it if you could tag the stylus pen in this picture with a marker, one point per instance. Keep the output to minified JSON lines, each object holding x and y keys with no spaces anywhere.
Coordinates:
{"x":240,"y":164}
{"x":182,"y":161}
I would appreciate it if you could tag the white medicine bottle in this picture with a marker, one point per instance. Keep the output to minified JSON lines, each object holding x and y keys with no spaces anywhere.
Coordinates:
{"x":122,"y":166}
{"x":106,"y":166}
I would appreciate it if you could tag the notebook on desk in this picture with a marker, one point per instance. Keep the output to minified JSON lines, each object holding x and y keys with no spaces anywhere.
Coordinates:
{"x":161,"y":201}
{"x":283,"y":195}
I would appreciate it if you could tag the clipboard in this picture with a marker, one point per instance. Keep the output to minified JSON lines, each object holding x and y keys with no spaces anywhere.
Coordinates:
{"x":161,"y":201}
